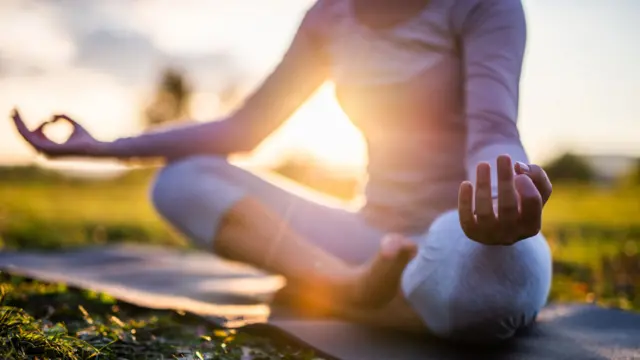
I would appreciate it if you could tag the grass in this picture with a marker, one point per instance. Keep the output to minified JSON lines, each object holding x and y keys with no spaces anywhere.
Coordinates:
{"x":594,"y":234}
{"x":43,"y":211}
{"x":48,"y":212}
{"x":46,"y":321}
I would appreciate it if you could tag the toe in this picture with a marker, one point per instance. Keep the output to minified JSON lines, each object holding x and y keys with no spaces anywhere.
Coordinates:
{"x":380,"y":278}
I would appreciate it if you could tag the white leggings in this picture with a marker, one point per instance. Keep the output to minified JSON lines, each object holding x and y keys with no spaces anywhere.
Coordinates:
{"x":461,"y":289}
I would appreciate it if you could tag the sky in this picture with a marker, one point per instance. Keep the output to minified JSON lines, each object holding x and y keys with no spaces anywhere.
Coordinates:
{"x":99,"y":60}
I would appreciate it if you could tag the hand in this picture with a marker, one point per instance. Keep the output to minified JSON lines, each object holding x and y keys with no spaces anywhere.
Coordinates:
{"x":80,"y":143}
{"x":521,"y":197}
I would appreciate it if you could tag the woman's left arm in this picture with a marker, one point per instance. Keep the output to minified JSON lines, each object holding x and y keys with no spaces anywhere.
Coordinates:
{"x":493,"y":44}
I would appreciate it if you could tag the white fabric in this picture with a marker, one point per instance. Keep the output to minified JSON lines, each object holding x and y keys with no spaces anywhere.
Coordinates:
{"x":466,"y":290}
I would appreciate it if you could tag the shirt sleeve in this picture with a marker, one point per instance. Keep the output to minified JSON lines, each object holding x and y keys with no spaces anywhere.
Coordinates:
{"x":493,"y":43}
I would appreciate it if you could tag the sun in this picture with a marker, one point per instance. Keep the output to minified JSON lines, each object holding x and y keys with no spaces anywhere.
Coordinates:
{"x":319,"y":128}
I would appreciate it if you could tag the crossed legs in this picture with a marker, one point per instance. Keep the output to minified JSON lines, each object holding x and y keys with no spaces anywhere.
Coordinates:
{"x":456,"y":287}
{"x":314,"y":242}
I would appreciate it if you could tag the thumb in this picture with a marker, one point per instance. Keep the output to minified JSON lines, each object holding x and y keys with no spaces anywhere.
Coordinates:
{"x":539,"y":178}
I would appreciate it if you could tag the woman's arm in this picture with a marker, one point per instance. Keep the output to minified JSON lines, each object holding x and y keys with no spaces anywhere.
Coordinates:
{"x":493,"y":44}
{"x":301,"y":71}
{"x":507,"y":203}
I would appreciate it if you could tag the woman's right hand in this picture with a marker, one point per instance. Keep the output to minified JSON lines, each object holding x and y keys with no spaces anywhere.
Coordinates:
{"x":80,"y":143}
{"x":516,"y":214}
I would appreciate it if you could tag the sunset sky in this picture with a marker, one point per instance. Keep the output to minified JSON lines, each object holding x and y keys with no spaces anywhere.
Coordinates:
{"x":98,"y":61}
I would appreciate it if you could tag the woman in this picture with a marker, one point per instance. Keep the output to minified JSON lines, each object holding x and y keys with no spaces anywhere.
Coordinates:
{"x":433,"y":86}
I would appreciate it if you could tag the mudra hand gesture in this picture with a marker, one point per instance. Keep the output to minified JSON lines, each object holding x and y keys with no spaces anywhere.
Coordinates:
{"x":80,"y":143}
{"x":517,"y":212}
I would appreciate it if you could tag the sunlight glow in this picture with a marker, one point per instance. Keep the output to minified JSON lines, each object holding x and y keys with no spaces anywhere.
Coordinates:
{"x":107,"y":109}
{"x":321,"y":129}
{"x":47,"y":66}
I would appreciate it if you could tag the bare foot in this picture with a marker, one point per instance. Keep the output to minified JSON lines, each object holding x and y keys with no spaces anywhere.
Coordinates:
{"x":367,"y":287}
{"x":376,"y":283}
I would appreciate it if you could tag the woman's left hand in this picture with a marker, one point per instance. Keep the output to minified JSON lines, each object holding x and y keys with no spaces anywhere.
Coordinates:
{"x":517,"y":214}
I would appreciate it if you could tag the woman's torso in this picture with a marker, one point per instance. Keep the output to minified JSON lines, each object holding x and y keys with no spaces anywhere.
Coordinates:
{"x":402,"y":87}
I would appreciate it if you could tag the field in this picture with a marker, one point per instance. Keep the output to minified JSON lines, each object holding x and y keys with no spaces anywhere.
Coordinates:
{"x":594,"y":233}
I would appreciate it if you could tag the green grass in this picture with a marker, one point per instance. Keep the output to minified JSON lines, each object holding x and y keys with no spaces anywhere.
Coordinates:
{"x":596,"y":206}
{"x":37,"y":320}
{"x":594,"y":234}
{"x":49,"y":212}
{"x":48,"y":321}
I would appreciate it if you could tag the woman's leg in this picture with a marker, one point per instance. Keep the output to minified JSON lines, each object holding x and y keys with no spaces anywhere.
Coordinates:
{"x":194,"y":195}
{"x":246,"y":218}
{"x":469,"y":291}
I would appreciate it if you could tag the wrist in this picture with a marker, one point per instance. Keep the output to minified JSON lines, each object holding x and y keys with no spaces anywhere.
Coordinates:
{"x":104,"y":149}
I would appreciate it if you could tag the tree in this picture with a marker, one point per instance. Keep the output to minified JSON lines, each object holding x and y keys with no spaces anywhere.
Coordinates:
{"x":633,"y":177}
{"x":570,"y":167}
{"x":171,"y":102}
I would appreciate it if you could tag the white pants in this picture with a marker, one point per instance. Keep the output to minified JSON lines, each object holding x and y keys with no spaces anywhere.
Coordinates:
{"x":461,"y":289}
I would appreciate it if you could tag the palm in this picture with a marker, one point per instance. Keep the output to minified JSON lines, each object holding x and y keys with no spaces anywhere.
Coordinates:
{"x":517,"y":213}
{"x":80,"y":142}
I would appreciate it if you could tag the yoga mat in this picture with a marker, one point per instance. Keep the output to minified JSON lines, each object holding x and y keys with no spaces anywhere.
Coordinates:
{"x":237,"y":296}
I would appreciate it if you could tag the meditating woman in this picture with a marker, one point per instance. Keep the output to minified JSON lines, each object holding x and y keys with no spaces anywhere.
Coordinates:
{"x":449,"y":234}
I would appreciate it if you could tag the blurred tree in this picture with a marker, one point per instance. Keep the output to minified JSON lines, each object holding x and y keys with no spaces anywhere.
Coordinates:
{"x":635,"y":172}
{"x":632,"y":178}
{"x":171,"y":102}
{"x":570,"y":167}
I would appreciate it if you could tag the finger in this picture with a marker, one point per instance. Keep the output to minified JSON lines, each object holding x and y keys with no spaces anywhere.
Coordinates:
{"x":39,"y":131}
{"x":31,"y":137}
{"x":539,"y":177}
{"x":59,"y":117}
{"x":68,"y":119}
{"x":507,"y":195}
{"x":19,"y":123}
{"x":531,"y":206}
{"x":77,"y":129}
{"x":484,"y":203}
{"x":42,"y":143}
{"x":35,"y":138}
{"x":465,"y":209}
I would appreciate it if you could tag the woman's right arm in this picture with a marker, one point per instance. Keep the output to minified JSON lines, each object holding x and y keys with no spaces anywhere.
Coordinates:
{"x":302,"y":70}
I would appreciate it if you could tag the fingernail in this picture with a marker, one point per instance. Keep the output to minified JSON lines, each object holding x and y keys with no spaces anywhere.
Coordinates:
{"x":522,"y":167}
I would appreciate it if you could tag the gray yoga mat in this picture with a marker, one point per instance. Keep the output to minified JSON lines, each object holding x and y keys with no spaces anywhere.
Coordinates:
{"x":234,"y":295}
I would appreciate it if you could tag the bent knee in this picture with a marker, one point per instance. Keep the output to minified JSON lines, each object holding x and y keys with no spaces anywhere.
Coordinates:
{"x":471,"y":315}
{"x":176,"y":184}
{"x":472,"y":292}
{"x":487,"y":320}
{"x":192,"y":197}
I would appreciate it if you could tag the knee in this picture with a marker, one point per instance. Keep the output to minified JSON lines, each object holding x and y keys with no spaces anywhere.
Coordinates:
{"x":175,"y":185}
{"x":486,"y":318}
{"x":476,"y":293}
{"x":193,"y":196}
